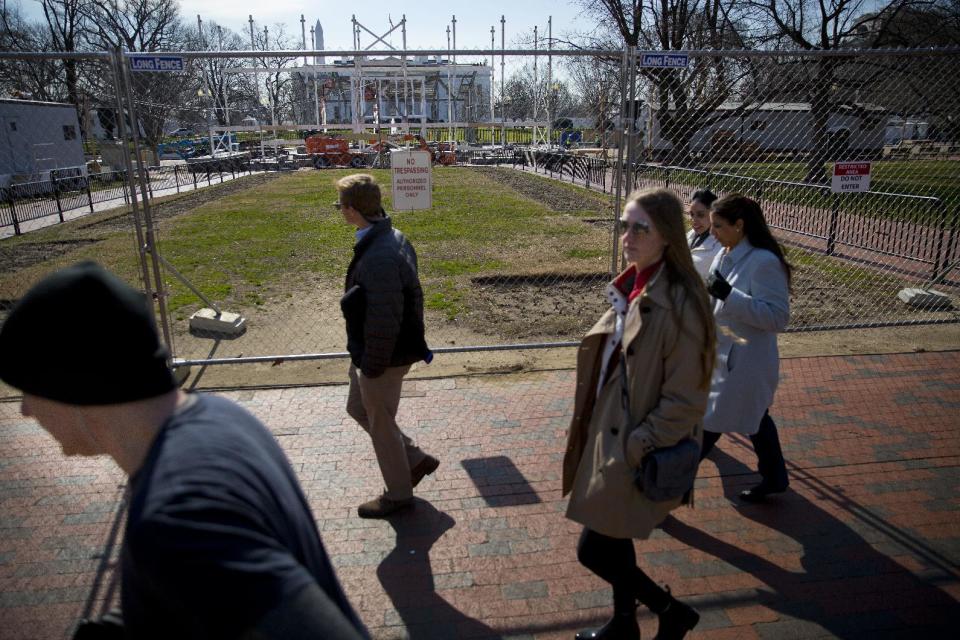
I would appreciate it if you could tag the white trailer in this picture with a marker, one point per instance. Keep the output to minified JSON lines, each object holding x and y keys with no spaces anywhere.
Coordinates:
{"x":774,"y":127}
{"x":37,"y":138}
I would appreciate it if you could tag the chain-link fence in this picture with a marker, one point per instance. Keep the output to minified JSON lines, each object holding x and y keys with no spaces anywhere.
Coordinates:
{"x":533,"y":154}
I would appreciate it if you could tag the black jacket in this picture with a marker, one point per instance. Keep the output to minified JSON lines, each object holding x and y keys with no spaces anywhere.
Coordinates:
{"x":383,"y":302}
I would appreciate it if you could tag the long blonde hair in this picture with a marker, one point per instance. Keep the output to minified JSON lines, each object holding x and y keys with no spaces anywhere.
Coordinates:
{"x":666,"y":212}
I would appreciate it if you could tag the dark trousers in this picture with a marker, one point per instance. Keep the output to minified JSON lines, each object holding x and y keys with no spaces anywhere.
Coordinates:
{"x":614,"y":560}
{"x":766,"y":444}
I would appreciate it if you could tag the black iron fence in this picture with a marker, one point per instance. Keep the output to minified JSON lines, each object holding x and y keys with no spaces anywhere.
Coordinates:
{"x":871,"y":226}
{"x":29,"y":201}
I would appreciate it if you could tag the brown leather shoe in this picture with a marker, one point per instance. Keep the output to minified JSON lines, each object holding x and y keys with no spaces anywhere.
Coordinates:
{"x":382,"y":507}
{"x":423,"y":468}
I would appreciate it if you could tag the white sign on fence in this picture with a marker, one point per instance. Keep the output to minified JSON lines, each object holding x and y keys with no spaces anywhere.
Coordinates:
{"x":156,"y":63}
{"x":660,"y":60}
{"x":850,"y":177}
{"x":412,"y":180}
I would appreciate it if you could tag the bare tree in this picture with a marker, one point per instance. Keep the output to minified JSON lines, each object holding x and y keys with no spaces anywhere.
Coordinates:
{"x":827,"y":83}
{"x":143,"y":26}
{"x":34,"y":79}
{"x":230,"y":91}
{"x":596,"y":84}
{"x":685,"y":99}
{"x":134,"y":25}
{"x":65,"y":23}
{"x":276,"y":75}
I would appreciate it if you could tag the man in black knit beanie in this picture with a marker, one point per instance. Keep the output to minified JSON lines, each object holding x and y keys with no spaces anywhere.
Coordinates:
{"x":219,"y":541}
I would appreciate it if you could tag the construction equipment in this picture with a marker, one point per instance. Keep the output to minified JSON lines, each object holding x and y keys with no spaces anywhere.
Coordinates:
{"x":444,"y":153}
{"x":329,"y":151}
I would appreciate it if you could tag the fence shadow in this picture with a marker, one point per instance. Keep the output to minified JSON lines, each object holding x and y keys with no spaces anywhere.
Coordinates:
{"x":845,"y":586}
{"x":407,"y":577}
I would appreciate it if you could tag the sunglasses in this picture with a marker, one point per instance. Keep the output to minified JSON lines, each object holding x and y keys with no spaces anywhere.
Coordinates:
{"x":635,"y":228}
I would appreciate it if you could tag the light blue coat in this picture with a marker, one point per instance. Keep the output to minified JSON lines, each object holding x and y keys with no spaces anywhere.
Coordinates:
{"x":748,"y":363}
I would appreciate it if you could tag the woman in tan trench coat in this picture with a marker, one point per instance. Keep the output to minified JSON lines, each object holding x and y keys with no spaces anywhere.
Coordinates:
{"x":660,"y":327}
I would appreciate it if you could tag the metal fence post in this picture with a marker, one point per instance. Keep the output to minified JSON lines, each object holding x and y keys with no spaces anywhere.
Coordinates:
{"x":56,"y":194}
{"x":176,"y":177}
{"x":13,"y":212}
{"x":940,"y":234}
{"x":834,"y":217}
{"x":89,"y":195}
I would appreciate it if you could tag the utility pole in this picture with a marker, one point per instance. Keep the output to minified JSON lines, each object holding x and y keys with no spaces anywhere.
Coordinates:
{"x":303,"y":35}
{"x":256,"y":84}
{"x":536,"y":88}
{"x":406,"y":82}
{"x":269,"y":88}
{"x":503,"y":63}
{"x":316,"y":79}
{"x":493,"y":80}
{"x":449,"y":91}
{"x":226,"y":88}
{"x":550,"y":95}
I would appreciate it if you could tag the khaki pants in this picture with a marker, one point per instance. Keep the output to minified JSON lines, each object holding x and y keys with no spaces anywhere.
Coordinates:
{"x":373,"y":403}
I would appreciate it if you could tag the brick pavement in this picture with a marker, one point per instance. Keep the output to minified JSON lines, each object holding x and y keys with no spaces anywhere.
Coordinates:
{"x":866,"y":543}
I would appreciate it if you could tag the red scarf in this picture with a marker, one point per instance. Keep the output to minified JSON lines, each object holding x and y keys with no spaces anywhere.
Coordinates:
{"x":640,"y":280}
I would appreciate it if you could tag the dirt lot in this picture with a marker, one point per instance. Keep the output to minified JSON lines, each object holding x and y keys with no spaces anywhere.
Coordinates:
{"x":504,"y":309}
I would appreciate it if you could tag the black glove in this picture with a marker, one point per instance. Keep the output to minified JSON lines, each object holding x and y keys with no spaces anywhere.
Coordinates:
{"x":717,"y":285}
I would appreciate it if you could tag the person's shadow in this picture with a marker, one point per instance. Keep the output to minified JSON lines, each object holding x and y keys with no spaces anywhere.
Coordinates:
{"x":407,"y":577}
{"x":845,"y":587}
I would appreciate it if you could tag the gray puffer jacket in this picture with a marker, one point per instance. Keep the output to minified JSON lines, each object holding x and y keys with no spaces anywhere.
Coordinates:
{"x":383,"y":302}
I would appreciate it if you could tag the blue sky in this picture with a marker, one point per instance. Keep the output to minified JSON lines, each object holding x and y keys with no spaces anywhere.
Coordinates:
{"x":426,"y":20}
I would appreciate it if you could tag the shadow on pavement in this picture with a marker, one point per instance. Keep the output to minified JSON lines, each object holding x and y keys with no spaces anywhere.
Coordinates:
{"x":500,"y":482}
{"x":845,"y":586}
{"x":407,"y":577}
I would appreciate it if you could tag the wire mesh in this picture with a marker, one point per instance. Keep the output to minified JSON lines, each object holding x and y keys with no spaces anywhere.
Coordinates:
{"x":531,"y":151}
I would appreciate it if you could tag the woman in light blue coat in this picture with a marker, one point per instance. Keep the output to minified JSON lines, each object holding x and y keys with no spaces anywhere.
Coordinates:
{"x":750,"y":284}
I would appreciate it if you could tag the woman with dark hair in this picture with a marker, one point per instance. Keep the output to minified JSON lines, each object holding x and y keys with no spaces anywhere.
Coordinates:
{"x":750,"y":284}
{"x":643,"y":376}
{"x":703,"y":246}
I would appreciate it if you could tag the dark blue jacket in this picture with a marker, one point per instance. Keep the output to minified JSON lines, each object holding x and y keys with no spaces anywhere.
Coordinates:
{"x":383,"y":302}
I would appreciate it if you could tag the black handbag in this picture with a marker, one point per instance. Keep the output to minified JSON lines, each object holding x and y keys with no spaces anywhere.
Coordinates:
{"x":666,"y":473}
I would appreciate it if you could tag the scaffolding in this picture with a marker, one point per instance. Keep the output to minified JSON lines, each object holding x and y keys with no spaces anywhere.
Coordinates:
{"x":395,"y":90}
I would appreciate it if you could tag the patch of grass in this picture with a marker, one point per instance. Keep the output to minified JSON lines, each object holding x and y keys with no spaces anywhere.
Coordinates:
{"x":283,"y":228}
{"x":459,"y":267}
{"x":586,"y":253}
{"x":445,"y":298}
{"x":925,"y":178}
{"x":839,"y":272}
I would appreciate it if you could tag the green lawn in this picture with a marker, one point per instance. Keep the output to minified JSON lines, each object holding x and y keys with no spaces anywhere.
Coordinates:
{"x":926,"y":178}
{"x":282,"y":238}
{"x":245,"y":247}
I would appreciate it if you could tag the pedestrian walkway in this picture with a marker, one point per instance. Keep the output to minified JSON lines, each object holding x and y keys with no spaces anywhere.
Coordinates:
{"x":39,"y":215}
{"x":866,"y":544}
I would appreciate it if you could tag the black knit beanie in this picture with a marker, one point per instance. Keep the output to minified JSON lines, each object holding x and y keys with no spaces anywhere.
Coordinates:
{"x":83,"y":336}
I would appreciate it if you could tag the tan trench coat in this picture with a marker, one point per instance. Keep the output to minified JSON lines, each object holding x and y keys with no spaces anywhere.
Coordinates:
{"x":664,"y":369}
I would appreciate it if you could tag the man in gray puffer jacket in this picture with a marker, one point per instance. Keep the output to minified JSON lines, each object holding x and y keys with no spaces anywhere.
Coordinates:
{"x":383,"y":308}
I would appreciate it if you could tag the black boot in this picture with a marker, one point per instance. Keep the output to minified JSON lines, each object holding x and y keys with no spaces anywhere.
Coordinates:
{"x":676,"y":620}
{"x":623,"y":625}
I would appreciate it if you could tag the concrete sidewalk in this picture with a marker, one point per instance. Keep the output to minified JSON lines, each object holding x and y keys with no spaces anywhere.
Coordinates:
{"x":866,"y":544}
